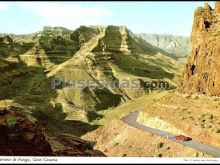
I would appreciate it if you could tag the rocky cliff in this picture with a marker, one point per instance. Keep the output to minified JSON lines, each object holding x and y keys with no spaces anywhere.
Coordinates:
{"x":201,"y":74}
{"x":21,"y":136}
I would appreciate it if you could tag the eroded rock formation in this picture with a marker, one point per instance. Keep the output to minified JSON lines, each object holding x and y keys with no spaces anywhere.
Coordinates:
{"x":20,"y":136}
{"x":202,"y":72}
{"x":6,"y":40}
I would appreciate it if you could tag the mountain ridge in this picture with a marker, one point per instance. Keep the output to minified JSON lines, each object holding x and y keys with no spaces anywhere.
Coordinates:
{"x":178,"y":46}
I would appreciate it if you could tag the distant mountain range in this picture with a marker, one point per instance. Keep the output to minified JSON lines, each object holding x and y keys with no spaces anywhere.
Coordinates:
{"x":178,"y":46}
{"x":171,"y":45}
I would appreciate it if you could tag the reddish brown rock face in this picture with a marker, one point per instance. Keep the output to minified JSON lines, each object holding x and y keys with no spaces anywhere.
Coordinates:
{"x":19,"y":136}
{"x":217,"y":7}
{"x":202,"y":72}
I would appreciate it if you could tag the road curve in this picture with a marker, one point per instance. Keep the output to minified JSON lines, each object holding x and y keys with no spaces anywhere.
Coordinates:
{"x":210,"y":150}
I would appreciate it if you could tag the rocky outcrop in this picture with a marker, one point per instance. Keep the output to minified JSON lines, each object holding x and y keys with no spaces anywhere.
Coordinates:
{"x":69,"y":145}
{"x":201,"y":74}
{"x":6,"y":40}
{"x":20,"y":136}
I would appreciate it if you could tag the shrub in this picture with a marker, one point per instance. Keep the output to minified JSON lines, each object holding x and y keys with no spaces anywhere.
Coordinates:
{"x":12,"y":121}
{"x":210,"y":117}
{"x":196,"y":154}
{"x":116,"y":144}
{"x":182,"y":118}
{"x":160,"y":155}
{"x":202,"y":125}
{"x":192,"y":118}
{"x":58,"y":107}
{"x":202,"y":120}
{"x":88,"y":145}
{"x":194,"y":97}
{"x":47,"y":113}
{"x":217,"y":130}
{"x":209,"y":126}
{"x":167,"y":148}
{"x":123,"y":155}
{"x":160,"y":145}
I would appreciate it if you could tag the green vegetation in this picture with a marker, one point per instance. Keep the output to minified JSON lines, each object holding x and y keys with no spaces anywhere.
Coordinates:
{"x":12,"y":121}
{"x":103,"y":98}
{"x":210,"y":116}
{"x":116,"y":144}
{"x":124,"y":155}
{"x":167,"y":148}
{"x":29,"y":86}
{"x":160,"y":145}
{"x":159,"y":155}
{"x":112,"y":39}
{"x":209,"y":126}
{"x":12,"y":76}
{"x":136,"y":67}
{"x":14,"y":50}
{"x":88,"y":145}
{"x":58,"y":48}
{"x":202,"y":125}
{"x":137,"y":45}
{"x":47,"y":114}
{"x":217,"y":130}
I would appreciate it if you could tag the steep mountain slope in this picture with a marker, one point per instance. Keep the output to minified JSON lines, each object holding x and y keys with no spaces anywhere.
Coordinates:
{"x":109,"y":53}
{"x":201,"y":74}
{"x":112,"y":54}
{"x":9,"y":47}
{"x":177,"y":46}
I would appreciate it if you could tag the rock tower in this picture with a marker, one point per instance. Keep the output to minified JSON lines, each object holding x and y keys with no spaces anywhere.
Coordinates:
{"x":202,"y":71}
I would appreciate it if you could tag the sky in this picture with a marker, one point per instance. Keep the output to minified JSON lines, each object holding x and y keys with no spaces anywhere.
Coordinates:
{"x":140,"y":17}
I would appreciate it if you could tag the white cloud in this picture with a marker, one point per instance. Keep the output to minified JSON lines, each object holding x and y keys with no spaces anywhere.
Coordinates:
{"x":70,"y":16}
{"x":3,"y":6}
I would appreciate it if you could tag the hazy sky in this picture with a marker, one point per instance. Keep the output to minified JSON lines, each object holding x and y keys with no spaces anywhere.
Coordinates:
{"x":147,"y":17}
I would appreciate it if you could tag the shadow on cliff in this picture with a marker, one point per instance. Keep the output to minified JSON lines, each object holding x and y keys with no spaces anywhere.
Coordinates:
{"x":31,"y":88}
{"x":134,"y":66}
{"x":53,"y":119}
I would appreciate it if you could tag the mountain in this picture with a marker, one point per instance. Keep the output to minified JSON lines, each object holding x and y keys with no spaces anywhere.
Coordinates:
{"x":38,"y":72}
{"x":201,"y":73}
{"x":109,"y":53}
{"x":177,"y":46}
